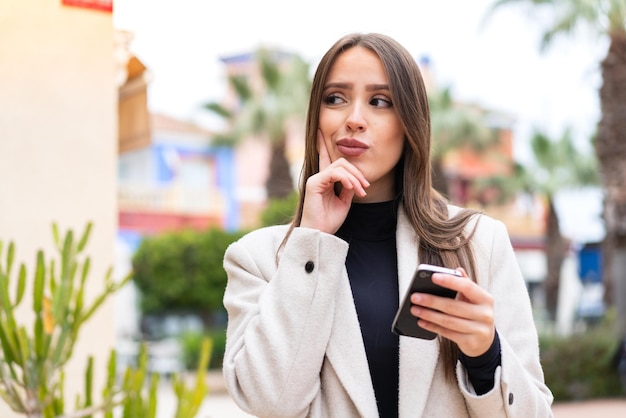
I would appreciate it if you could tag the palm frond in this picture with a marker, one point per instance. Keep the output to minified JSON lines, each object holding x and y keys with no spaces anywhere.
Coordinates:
{"x":263,"y":110}
{"x":602,"y":16}
{"x":224,"y":140}
{"x":616,"y":16}
{"x":269,"y":69}
{"x":454,"y":125}
{"x":242,"y":87}
{"x":219,"y":110}
{"x":559,"y":163}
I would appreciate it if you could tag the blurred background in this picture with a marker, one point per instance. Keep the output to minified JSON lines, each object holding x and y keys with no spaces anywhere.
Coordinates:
{"x":176,"y":127}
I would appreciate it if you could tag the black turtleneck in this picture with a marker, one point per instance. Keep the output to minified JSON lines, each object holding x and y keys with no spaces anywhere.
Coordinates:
{"x":370,"y":230}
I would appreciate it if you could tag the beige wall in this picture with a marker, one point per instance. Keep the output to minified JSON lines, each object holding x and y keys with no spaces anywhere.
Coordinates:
{"x":58,"y":145}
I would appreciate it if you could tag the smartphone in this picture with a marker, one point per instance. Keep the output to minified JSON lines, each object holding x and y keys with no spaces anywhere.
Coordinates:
{"x":405,"y":323}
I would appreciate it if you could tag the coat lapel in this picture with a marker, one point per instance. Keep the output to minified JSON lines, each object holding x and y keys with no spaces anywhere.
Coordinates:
{"x":348,"y":358}
{"x":417,"y":357}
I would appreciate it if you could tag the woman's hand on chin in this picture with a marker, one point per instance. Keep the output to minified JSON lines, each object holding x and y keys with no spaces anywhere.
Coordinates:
{"x":329,"y":193}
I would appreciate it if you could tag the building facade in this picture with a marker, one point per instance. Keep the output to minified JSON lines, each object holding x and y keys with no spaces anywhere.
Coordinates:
{"x":58,"y":151}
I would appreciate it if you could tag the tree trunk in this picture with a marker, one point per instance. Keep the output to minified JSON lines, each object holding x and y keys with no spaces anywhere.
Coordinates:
{"x":555,"y":254}
{"x":618,"y":265}
{"x":279,"y":184}
{"x":611,"y":153}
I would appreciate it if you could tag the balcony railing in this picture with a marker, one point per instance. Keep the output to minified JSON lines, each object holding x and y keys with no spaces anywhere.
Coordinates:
{"x":170,"y":199}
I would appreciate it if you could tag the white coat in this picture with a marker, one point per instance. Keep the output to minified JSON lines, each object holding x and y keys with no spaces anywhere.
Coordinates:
{"x":294,"y":346}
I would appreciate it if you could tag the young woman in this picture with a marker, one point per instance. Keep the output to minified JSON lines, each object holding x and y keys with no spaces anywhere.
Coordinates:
{"x":310,"y":305}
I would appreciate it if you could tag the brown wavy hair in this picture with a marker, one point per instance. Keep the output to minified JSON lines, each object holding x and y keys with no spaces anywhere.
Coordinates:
{"x":443,"y":240}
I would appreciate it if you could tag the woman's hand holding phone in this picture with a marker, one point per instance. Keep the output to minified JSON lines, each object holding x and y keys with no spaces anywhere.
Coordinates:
{"x":468,"y":320}
{"x":324,"y":207}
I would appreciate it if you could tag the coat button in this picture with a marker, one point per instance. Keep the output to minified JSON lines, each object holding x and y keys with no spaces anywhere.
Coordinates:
{"x":309,"y":266}
{"x":510,"y":399}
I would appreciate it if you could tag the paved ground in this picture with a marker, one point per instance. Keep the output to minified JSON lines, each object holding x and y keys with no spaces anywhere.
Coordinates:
{"x":609,"y":408}
{"x":219,"y":405}
{"x":215,"y":406}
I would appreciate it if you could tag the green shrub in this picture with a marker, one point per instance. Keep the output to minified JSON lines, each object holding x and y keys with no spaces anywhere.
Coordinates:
{"x":191,"y":344}
{"x":582,"y":365}
{"x":182,"y":271}
{"x":280,"y":211}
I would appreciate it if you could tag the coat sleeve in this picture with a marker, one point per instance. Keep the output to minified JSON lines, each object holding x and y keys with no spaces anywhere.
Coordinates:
{"x":519,"y":389}
{"x":279,"y":318}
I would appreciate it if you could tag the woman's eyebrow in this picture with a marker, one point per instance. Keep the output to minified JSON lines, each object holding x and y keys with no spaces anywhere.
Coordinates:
{"x":369,"y":87}
{"x":374,"y":87}
{"x":340,"y":85}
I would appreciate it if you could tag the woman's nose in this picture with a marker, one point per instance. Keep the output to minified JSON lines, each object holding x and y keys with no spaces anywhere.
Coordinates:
{"x":355,"y":121}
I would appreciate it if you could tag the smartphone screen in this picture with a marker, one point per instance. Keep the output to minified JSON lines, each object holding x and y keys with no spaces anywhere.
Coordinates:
{"x":405,"y":323}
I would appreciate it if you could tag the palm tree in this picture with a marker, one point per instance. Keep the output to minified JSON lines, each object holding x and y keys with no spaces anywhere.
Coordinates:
{"x":557,"y":164}
{"x":453,"y":126}
{"x":608,"y":19}
{"x":267,"y":110}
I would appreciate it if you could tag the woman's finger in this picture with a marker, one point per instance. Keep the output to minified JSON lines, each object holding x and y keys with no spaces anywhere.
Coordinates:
{"x":467,"y":320}
{"x":467,"y":289}
{"x":336,"y":173}
{"x":322,"y":151}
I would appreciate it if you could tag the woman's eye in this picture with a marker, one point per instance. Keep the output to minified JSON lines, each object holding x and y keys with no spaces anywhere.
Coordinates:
{"x":332,"y":99}
{"x":381,"y":102}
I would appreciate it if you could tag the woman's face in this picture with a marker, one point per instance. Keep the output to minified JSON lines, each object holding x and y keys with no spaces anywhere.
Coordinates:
{"x":359,"y":122}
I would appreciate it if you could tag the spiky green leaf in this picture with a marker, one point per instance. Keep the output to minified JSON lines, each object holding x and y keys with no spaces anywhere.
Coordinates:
{"x":38,"y":287}
{"x":85,"y":237}
{"x":152,"y":396}
{"x":13,"y":401}
{"x":55,"y":235}
{"x":21,"y":286}
{"x":10,"y":258}
{"x":9,"y":344}
{"x":89,"y":384}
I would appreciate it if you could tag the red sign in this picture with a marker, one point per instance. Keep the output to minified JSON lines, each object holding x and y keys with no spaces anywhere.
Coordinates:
{"x":104,"y":5}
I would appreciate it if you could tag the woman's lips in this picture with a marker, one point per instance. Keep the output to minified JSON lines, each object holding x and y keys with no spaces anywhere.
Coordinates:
{"x":350,"y":147}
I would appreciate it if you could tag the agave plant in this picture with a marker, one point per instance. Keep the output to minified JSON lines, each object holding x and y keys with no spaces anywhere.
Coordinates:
{"x":32,"y":360}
